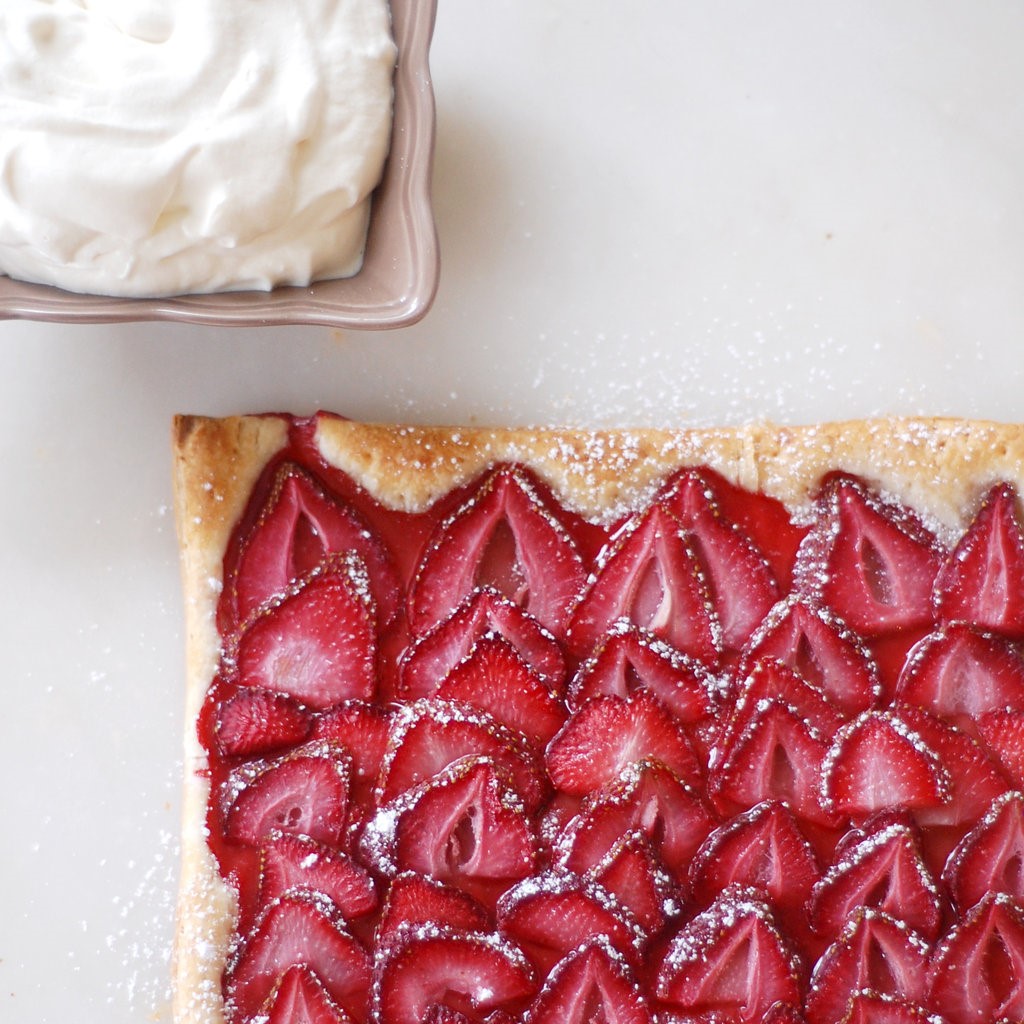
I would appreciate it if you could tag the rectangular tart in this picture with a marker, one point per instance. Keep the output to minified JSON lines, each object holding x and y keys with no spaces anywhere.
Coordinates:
{"x":538,"y":725}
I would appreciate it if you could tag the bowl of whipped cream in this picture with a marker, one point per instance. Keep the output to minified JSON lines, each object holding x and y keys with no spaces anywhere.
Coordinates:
{"x":243,"y":162}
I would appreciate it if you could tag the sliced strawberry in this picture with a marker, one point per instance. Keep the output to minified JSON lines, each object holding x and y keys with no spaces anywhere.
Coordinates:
{"x":317,"y":641}
{"x":608,"y":734}
{"x":771,"y":680}
{"x":464,"y":826}
{"x":430,"y":734}
{"x":872,"y":561}
{"x":742,"y":586}
{"x":765,"y":520}
{"x":630,"y":658}
{"x":470,"y":973}
{"x":648,"y":797}
{"x":299,"y":929}
{"x":483,"y":612}
{"x":299,"y":524}
{"x":414,"y":899}
{"x":494,"y":678}
{"x":990,"y":857}
{"x":304,"y":792}
{"x":256,"y":722}
{"x":552,"y":913}
{"x":591,"y":983}
{"x":731,"y":959}
{"x":982,"y":580}
{"x":872,"y":952}
{"x":361,"y":730}
{"x":883,"y":869}
{"x":298,"y":862}
{"x":812,"y":642}
{"x":976,"y":781}
{"x":650,"y":576}
{"x":504,"y":536}
{"x":763,"y":849}
{"x":868,"y":1007}
{"x":634,"y":874}
{"x":977,"y":971}
{"x":878,"y":761}
{"x":1002,"y":733}
{"x":775,"y":756}
{"x":300,"y":998}
{"x":959,"y":674}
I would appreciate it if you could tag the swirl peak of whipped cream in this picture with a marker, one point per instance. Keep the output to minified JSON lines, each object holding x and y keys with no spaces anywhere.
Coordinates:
{"x":155,"y":147}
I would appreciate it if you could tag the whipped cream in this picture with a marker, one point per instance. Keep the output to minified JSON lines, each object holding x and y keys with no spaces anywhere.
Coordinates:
{"x":154,"y":147}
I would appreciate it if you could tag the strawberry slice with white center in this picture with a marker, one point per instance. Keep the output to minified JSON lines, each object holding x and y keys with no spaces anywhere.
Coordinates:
{"x":811,"y":641}
{"x":317,"y":642}
{"x":648,"y":797}
{"x":494,"y":678}
{"x":982,"y":580}
{"x":872,"y":561}
{"x":630,"y":658}
{"x":776,"y":755}
{"x":304,"y":792}
{"x":414,"y":899}
{"x":300,"y":998}
{"x":484,"y":612}
{"x":634,"y":874}
{"x":552,"y":913}
{"x":878,"y":761}
{"x":731,"y":959}
{"x":960,"y":673}
{"x":650,"y":576}
{"x":298,"y":526}
{"x":608,"y":734}
{"x":298,"y":929}
{"x":765,"y":849}
{"x":507,"y":537}
{"x":465,"y":826}
{"x":977,"y":970}
{"x":592,"y":983}
{"x":255,"y":722}
{"x":990,"y":857}
{"x":472,"y":974}
{"x":430,"y":734}
{"x":872,"y":952}
{"x":742,"y":586}
{"x":882,"y":868}
{"x":298,"y":862}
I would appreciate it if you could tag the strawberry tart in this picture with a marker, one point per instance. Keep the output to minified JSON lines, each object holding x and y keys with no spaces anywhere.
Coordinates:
{"x":638,"y":727}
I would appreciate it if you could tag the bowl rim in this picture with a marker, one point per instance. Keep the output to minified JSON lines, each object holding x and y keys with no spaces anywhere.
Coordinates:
{"x":399,"y":278}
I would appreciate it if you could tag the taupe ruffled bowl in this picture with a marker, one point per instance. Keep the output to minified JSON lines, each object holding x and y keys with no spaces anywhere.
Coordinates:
{"x":398,"y":280}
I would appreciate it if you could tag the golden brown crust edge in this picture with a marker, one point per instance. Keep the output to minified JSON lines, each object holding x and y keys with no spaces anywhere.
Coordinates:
{"x":216,"y":463}
{"x":940,"y":466}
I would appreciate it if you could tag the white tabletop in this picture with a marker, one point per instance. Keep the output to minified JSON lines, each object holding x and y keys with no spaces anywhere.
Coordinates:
{"x":649,"y":213}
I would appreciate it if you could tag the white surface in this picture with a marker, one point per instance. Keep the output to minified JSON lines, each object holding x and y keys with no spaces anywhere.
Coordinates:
{"x":649,"y":213}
